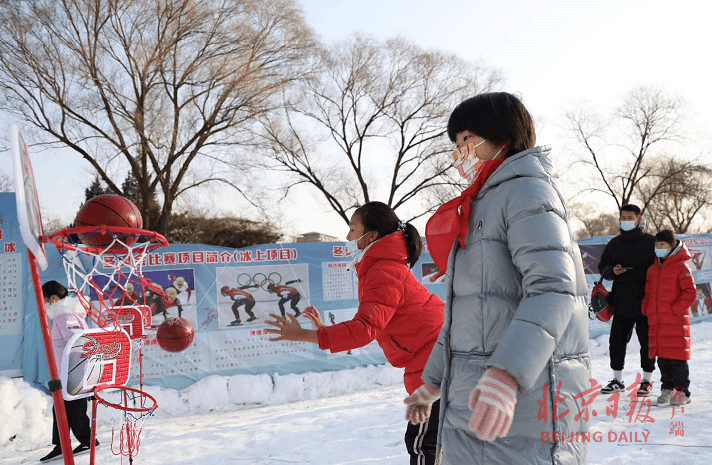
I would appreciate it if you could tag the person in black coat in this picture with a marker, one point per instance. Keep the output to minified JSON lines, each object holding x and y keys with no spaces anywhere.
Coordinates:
{"x":625,"y":261}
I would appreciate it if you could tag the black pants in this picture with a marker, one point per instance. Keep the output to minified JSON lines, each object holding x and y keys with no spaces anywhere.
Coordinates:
{"x":421,"y":440}
{"x":249,"y":304}
{"x":78,"y":421}
{"x":295,"y":300}
{"x":621,"y":332}
{"x":674,"y":374}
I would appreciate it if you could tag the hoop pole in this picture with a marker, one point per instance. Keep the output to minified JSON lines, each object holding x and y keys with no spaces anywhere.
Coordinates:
{"x":140,"y":366}
{"x":129,"y":439}
{"x":92,"y":451}
{"x":59,"y":410}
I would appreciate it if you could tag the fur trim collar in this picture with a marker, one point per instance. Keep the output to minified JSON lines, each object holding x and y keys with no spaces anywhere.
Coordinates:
{"x":68,"y":305}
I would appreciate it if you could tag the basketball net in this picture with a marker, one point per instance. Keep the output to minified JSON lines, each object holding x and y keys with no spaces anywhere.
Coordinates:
{"x":107,"y":277}
{"x":128,"y":409}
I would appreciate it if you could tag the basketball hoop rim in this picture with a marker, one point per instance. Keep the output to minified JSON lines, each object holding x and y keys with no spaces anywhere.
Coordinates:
{"x":58,"y":238}
{"x":106,"y":403}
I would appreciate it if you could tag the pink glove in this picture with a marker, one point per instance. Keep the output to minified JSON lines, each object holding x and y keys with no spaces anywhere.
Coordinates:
{"x":492,"y":403}
{"x":420,"y":402}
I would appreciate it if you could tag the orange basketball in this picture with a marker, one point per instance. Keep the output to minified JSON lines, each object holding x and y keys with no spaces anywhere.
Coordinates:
{"x":108,"y":210}
{"x":175,"y":335}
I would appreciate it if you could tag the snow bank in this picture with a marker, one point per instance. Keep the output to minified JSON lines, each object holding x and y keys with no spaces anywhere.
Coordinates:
{"x":26,"y":412}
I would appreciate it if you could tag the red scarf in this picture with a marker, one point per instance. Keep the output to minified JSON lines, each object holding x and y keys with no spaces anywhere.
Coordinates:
{"x":450,"y":220}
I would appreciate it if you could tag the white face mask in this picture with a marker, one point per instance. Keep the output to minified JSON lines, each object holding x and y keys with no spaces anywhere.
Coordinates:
{"x":662,"y":253}
{"x":358,"y":255}
{"x":352,"y":246}
{"x":627,"y":225}
{"x":467,"y":162}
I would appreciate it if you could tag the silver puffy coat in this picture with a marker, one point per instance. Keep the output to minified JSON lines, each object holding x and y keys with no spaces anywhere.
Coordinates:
{"x":516,"y":300}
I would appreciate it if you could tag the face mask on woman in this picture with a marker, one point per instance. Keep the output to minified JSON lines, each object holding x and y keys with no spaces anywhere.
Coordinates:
{"x":352,"y":246}
{"x":467,"y":162}
{"x":355,"y":252}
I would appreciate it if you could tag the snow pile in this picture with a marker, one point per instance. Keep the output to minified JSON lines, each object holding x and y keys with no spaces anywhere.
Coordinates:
{"x":25,"y":415}
{"x":349,"y":416}
{"x":27,"y":412}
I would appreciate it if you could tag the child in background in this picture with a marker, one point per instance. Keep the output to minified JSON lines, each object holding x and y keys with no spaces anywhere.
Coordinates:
{"x":68,"y":316}
{"x":395,"y":309}
{"x":669,"y":292}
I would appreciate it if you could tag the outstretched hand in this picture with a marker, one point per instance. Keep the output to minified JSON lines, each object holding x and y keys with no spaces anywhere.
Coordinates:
{"x":290,"y":330}
{"x":313,"y":314}
{"x":286,"y":330}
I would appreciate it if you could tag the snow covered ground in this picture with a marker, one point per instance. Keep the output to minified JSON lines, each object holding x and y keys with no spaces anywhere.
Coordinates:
{"x":347,"y":417}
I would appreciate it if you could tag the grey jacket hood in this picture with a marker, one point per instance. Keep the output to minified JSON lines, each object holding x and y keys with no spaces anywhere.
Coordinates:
{"x":533,"y":163}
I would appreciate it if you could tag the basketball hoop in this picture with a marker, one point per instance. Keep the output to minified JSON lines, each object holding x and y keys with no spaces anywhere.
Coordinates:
{"x":131,"y":407}
{"x":100,"y":275}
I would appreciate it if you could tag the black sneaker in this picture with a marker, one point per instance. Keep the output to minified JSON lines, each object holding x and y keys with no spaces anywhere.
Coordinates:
{"x":613,"y":386}
{"x":236,"y":323}
{"x":252,"y":318}
{"x":54,"y":455}
{"x":82,"y":448}
{"x":645,"y":389}
{"x":297,"y":313}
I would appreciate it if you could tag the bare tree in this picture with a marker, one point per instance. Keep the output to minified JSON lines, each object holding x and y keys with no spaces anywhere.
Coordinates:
{"x":163,"y":89}
{"x":372,"y":122}
{"x":623,"y":148}
{"x":681,"y":191}
{"x":594,"y":223}
{"x":5,"y":182}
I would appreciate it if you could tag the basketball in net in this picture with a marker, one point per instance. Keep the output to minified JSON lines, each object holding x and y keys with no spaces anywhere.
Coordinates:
{"x":175,"y":335}
{"x":107,"y":210}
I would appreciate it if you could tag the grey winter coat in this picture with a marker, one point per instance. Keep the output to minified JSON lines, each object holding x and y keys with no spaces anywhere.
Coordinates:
{"x":516,"y":300}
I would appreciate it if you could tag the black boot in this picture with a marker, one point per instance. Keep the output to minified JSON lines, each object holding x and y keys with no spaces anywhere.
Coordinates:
{"x":56,"y":453}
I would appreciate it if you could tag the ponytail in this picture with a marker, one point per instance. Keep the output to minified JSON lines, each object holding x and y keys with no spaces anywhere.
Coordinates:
{"x":413,"y":243}
{"x":379,"y":217}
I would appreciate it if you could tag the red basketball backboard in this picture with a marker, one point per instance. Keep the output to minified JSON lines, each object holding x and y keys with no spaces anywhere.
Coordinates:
{"x":95,"y":357}
{"x":131,"y":319}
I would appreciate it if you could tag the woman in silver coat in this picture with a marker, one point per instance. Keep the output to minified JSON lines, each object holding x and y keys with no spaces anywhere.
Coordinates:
{"x":513,"y":351}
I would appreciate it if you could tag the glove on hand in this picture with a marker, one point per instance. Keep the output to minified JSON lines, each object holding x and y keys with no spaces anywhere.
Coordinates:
{"x":420,"y":402}
{"x":492,"y":403}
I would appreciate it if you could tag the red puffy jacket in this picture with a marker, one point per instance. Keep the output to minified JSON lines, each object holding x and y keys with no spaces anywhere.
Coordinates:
{"x":669,"y":292}
{"x":394,"y":308}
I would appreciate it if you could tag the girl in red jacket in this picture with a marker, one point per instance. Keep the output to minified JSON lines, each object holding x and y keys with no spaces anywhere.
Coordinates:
{"x":669,"y":292}
{"x":395,"y":309}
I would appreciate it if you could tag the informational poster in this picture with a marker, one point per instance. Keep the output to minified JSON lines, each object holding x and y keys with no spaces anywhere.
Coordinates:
{"x":10,"y":297}
{"x":338,"y":283}
{"x":13,"y":279}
